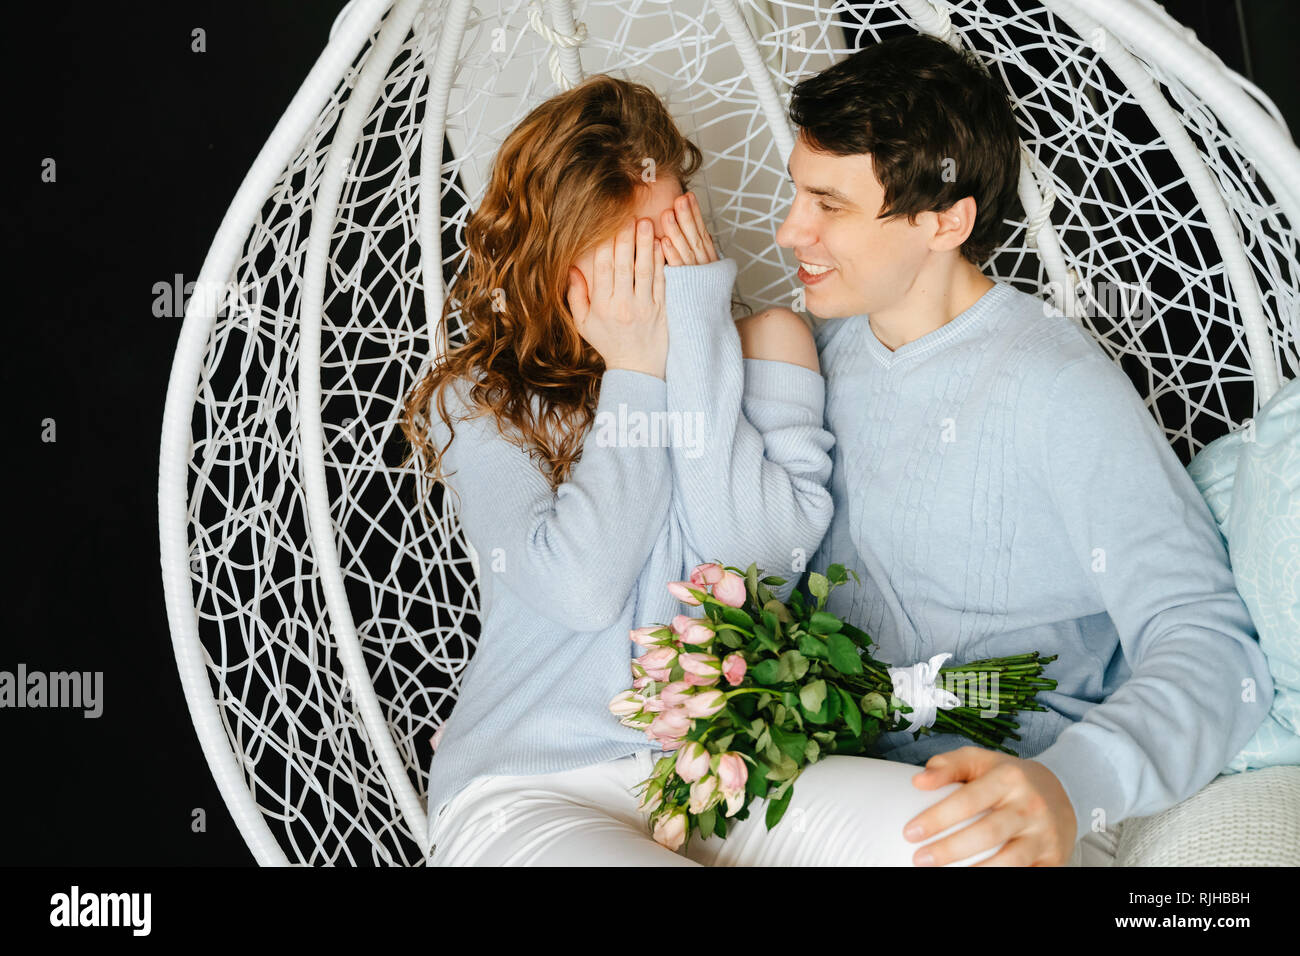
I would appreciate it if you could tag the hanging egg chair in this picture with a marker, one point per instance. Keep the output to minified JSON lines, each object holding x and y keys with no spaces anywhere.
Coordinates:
{"x":321,"y":624}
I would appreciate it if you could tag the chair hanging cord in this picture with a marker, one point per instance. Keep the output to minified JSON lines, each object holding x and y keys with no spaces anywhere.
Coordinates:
{"x":556,"y":40}
{"x":1043,"y":214}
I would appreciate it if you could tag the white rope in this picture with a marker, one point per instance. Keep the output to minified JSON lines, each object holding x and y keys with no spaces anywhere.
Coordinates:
{"x":558,"y":41}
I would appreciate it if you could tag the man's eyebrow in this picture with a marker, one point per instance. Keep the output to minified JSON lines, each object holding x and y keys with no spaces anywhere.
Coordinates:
{"x":826,"y":191}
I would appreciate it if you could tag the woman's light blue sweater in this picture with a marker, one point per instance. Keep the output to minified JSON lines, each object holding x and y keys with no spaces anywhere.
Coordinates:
{"x":735,"y":471}
{"x":1000,"y":488}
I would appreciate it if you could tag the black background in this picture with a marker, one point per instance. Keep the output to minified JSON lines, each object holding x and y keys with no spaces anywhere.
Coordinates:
{"x":151,"y":142}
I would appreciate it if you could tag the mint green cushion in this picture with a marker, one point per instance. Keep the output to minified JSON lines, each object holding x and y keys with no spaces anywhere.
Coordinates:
{"x":1250,"y":478}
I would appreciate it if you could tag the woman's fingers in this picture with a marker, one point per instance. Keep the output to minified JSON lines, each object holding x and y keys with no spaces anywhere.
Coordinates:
{"x":645,"y":259}
{"x":579,"y":303}
{"x":624,"y":259}
{"x":603,"y":273}
{"x":686,"y":219}
{"x":706,"y":238}
{"x":681,"y":248}
{"x":659,"y":289}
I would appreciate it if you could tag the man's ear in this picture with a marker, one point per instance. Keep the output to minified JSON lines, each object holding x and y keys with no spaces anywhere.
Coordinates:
{"x":954,"y":225}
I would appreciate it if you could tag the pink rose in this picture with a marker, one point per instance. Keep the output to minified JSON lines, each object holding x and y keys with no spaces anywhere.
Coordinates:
{"x":732,"y":775}
{"x":678,"y":590}
{"x":700,"y":670}
{"x":706,"y":703}
{"x":642,"y":636}
{"x":654,"y":663}
{"x":676,"y":694}
{"x":671,"y":722}
{"x":730,"y":590}
{"x":733,"y":668}
{"x":670,"y":828}
{"x":706,"y":574}
{"x":692,"y":761}
{"x":703,"y":793}
{"x":626,"y":704}
{"x":694,"y":631}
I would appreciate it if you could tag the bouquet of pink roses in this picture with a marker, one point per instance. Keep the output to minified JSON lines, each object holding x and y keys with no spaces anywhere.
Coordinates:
{"x":755,"y":690}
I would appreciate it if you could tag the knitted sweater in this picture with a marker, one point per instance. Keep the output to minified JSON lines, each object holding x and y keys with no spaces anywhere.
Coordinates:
{"x":1000,"y":487}
{"x":736,"y":471}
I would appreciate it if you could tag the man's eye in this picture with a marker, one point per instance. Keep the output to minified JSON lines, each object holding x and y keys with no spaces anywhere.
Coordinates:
{"x":825,"y":208}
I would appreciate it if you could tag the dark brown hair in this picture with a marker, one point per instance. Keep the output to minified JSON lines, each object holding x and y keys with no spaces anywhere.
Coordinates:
{"x":921,"y":109}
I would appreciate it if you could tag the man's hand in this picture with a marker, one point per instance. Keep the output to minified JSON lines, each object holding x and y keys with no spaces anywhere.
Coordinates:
{"x":1028,"y":808}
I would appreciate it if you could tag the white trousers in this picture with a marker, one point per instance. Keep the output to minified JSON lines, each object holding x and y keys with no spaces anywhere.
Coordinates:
{"x":846,"y":811}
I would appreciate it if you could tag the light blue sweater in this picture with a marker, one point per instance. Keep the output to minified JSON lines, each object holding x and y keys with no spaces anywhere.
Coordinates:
{"x":1000,"y":488}
{"x":565,"y":576}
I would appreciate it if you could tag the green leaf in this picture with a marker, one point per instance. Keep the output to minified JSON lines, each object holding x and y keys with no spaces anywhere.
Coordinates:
{"x":776,"y":808}
{"x":823,"y":622}
{"x":780,"y":610}
{"x":705,"y":822}
{"x":796,"y":662}
{"x":861,"y":638}
{"x":736,"y":616}
{"x":818,"y":586}
{"x":813,"y":695}
{"x":756,"y":782}
{"x":835,"y":574}
{"x":767,"y":672}
{"x":812,"y":646}
{"x":875,"y":704}
{"x":844,"y":654}
{"x":774,"y":580}
{"x":811,"y":751}
{"x":790,"y":744}
{"x":852,"y":716}
{"x":720,"y":826}
{"x":751,"y":581}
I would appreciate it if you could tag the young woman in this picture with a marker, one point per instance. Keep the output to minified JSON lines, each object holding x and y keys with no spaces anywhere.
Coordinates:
{"x":609,"y":427}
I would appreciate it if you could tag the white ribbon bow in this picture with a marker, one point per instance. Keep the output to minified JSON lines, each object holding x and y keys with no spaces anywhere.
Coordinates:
{"x":915,"y":687}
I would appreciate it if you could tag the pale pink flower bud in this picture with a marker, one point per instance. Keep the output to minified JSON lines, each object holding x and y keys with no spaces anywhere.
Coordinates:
{"x":677,"y":693}
{"x":626,"y":704}
{"x":700,"y":670}
{"x":670,"y":743}
{"x":692,"y":761}
{"x":703,"y":794}
{"x":730,"y":590}
{"x":697,"y":633}
{"x":733,"y":668}
{"x":706,"y":703}
{"x":437,"y":735}
{"x":653,"y":704}
{"x":670,"y":828}
{"x":732,"y":772}
{"x":706,"y":574}
{"x":678,"y":590}
{"x":735,"y":800}
{"x":642,"y":680}
{"x":671,"y":722}
{"x":642,"y":636}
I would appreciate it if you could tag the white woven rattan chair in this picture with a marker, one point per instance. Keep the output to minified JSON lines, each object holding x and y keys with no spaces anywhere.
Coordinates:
{"x":321,"y":624}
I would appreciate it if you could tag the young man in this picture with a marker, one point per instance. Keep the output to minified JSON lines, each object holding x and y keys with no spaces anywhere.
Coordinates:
{"x":999,"y":485}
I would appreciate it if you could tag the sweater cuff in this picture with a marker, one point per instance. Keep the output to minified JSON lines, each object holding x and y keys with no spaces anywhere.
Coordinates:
{"x":639,"y":391}
{"x":771,"y":380}
{"x":1088,"y":776}
{"x":699,"y":294}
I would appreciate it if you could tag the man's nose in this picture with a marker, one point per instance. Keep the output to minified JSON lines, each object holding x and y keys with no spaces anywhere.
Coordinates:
{"x":792,"y":232}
